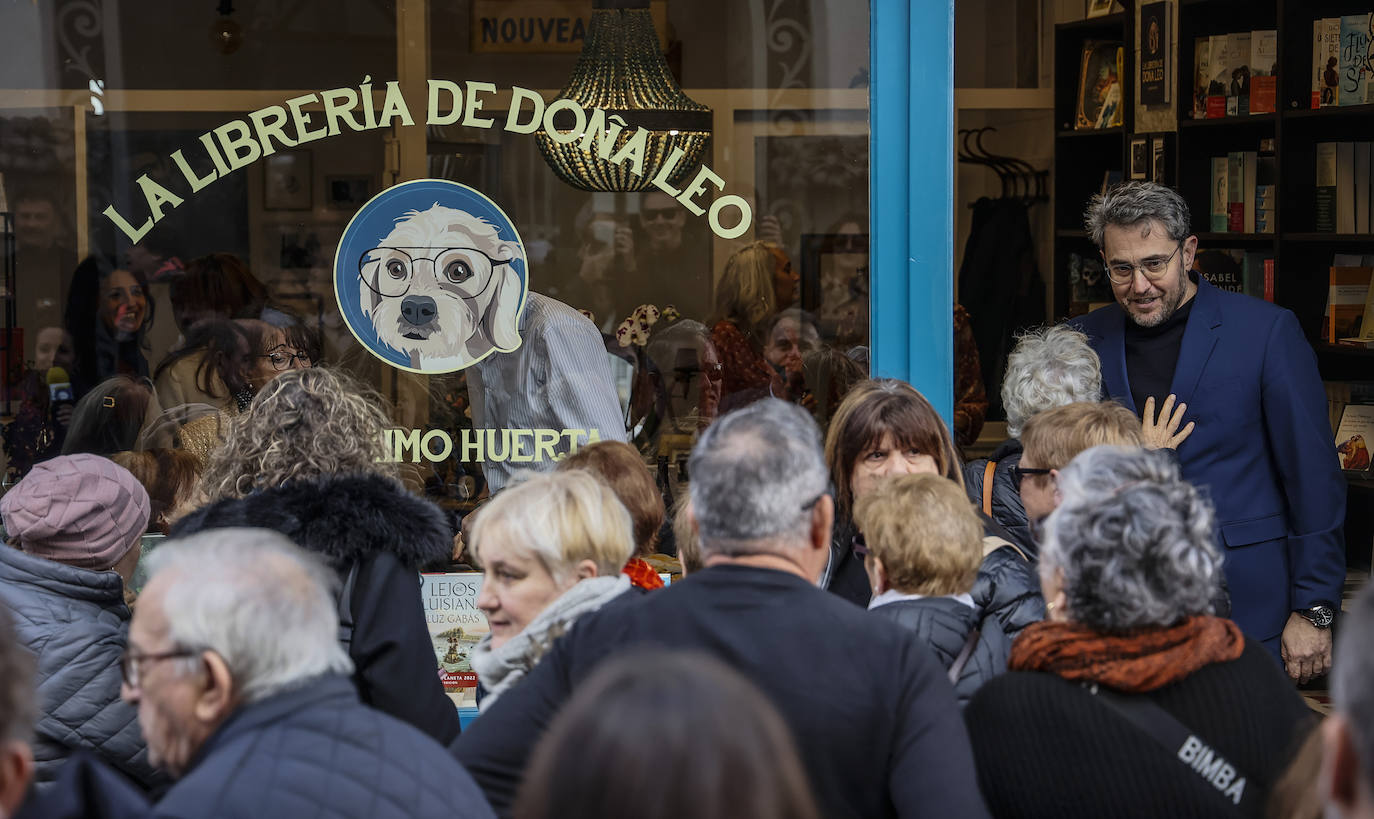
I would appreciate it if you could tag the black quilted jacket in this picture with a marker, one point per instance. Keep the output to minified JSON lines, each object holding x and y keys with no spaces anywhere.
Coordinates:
{"x":392,"y":534}
{"x":317,"y":751}
{"x":945,"y":624}
{"x":1006,"y":495}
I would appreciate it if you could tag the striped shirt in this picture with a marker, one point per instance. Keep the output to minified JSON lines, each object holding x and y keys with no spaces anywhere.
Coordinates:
{"x":559,"y":378}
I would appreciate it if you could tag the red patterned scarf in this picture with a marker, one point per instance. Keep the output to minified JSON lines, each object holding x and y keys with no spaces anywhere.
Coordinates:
{"x":642,"y":574}
{"x":1141,"y":660}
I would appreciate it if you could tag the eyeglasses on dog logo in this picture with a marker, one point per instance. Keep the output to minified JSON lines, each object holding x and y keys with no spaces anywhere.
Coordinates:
{"x":431,"y":277}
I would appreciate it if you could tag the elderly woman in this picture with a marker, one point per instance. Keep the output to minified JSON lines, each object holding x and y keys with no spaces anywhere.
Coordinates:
{"x":758,"y":279}
{"x":308,"y":460}
{"x":619,"y":466}
{"x":885,"y":428}
{"x":74,"y":525}
{"x":1132,"y":700}
{"x":551,"y":550}
{"x":1049,"y":367}
{"x":924,"y":545}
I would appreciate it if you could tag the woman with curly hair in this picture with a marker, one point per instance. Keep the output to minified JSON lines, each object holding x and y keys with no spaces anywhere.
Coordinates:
{"x":307,"y":459}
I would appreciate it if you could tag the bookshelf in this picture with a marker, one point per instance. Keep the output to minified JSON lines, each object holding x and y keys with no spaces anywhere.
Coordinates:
{"x":1301,"y":254}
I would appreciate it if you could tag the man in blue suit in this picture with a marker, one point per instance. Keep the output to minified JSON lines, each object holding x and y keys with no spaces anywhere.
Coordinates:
{"x":1262,"y":444}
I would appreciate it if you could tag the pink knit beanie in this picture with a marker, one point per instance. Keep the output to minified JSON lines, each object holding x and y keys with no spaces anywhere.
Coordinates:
{"x":82,"y":510}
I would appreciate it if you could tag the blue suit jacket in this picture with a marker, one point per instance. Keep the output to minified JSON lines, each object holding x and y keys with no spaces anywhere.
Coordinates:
{"x":1262,"y":449}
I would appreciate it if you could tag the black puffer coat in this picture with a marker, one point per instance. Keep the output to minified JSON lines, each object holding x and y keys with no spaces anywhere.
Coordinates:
{"x":393,"y":534}
{"x":1008,"y":588}
{"x":945,"y":624}
{"x":1006,"y":495}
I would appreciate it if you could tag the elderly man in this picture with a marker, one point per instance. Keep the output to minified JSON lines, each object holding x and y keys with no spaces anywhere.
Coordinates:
{"x":1262,"y":446}
{"x":243,"y":693}
{"x":1346,"y":782}
{"x":873,"y":714}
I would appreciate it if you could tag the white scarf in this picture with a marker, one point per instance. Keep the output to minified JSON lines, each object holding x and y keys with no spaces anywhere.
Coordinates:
{"x":501,"y":668}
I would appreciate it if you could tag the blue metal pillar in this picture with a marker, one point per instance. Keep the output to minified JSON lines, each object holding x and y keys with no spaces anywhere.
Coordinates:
{"x":911,"y":190}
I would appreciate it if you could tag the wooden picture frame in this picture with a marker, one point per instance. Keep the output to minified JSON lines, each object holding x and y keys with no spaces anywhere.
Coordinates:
{"x":287,"y":182}
{"x":347,"y":192}
{"x":1140,"y":157}
{"x":1099,"y":8}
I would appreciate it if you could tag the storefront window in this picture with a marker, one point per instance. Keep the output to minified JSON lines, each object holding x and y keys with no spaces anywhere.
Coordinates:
{"x":200,"y":198}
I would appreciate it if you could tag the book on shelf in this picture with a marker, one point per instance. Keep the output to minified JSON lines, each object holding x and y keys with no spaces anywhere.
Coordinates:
{"x":1155,"y":46}
{"x":1361,"y":188}
{"x":1238,"y":73}
{"x":1220,"y":81}
{"x":1354,"y":59}
{"x":1088,"y":279}
{"x":1346,"y":294}
{"x":1366,"y":335}
{"x":1220,"y":197}
{"x":1236,"y":270}
{"x":1099,"y":86}
{"x":1264,"y":71}
{"x":1355,"y":436}
{"x":1326,"y":61}
{"x":1202,"y":77}
{"x":1266,"y":187}
{"x":1341,"y":393}
{"x":1268,"y":273}
{"x":1326,"y":185}
{"x":1240,"y":188}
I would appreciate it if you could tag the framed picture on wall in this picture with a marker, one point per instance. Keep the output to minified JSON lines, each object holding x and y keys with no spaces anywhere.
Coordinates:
{"x":1099,"y":8}
{"x":287,"y":181}
{"x":1159,"y":171}
{"x":1140,"y":158}
{"x":347,"y":192}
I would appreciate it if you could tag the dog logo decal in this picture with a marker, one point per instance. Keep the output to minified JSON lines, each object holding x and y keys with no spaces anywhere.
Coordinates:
{"x":431,"y":277}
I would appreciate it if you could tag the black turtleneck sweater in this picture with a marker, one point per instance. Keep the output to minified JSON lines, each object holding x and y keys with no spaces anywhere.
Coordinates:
{"x":1152,"y":355}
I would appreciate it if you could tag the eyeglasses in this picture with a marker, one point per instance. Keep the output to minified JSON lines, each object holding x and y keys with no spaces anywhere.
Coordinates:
{"x":1153,"y":268}
{"x":131,"y":664}
{"x":1019,"y":473}
{"x":388,"y":271}
{"x":655,"y":214}
{"x":282,"y":360}
{"x":860,"y":545}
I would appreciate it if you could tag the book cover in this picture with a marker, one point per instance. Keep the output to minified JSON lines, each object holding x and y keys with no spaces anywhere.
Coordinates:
{"x":1154,"y":53}
{"x":1269,"y":280}
{"x":1220,"y":199}
{"x":456,"y":625}
{"x":1253,"y":273}
{"x":1238,"y":74}
{"x":1354,"y":59}
{"x":1326,"y":61}
{"x":1099,"y":86}
{"x":1220,"y":77}
{"x":1264,"y":71}
{"x":1266,"y":187}
{"x":1326,"y":188}
{"x":1088,"y":279}
{"x":1345,"y":300}
{"x":1354,"y":437}
{"x":1366,"y":336}
{"x":1223,"y":267}
{"x":1202,"y":66}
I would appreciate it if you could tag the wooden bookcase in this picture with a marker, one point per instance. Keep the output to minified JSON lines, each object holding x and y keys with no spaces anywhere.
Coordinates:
{"x":1301,"y":255}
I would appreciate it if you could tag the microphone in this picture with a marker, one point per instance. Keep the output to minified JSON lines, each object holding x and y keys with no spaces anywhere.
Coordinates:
{"x":59,"y":394}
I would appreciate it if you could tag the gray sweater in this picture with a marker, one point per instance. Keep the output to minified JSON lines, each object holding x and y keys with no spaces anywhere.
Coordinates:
{"x":76,"y":624}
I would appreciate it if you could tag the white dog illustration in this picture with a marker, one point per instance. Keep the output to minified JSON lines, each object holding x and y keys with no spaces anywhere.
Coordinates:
{"x":441,"y":289}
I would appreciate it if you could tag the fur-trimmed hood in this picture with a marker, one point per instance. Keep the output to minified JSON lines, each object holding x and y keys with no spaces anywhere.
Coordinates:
{"x":344,"y":518}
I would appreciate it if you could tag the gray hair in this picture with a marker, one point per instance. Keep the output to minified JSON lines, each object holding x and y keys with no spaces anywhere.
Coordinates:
{"x":1133,"y":540}
{"x":1351,"y":693}
{"x":755,"y":473}
{"x":1131,"y":203}
{"x":259,"y":601}
{"x":1049,"y":367}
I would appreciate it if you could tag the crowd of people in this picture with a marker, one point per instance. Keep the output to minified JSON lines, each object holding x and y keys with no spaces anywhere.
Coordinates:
{"x":1106,"y":617}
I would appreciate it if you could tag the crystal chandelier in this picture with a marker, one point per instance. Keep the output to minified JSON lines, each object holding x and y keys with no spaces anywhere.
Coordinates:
{"x":622,"y":71}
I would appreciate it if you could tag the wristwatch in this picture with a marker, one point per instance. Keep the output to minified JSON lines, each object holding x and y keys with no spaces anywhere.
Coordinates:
{"x":1320,"y":615}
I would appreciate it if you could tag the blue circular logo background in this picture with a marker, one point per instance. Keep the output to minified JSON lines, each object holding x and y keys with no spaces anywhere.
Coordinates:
{"x":375,"y":220}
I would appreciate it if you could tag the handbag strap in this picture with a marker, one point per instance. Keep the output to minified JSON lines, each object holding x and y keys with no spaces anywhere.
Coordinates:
{"x":988,"y":473}
{"x":346,"y":606}
{"x":957,"y":667}
{"x":1183,"y":744}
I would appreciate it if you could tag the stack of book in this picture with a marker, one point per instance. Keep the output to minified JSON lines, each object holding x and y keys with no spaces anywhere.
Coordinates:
{"x":1235,"y":74}
{"x":1349,"y":316}
{"x":1240,"y":271}
{"x":1340,"y":55}
{"x":1242,"y":199}
{"x":1344,"y":195}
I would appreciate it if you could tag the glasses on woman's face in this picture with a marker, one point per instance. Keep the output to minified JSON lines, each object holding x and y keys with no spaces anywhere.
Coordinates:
{"x":389,"y":271}
{"x":283,"y":359}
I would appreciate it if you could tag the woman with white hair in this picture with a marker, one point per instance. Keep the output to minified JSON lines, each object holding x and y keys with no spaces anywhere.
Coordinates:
{"x":1049,"y":367}
{"x":551,"y":550}
{"x":1132,"y":699}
